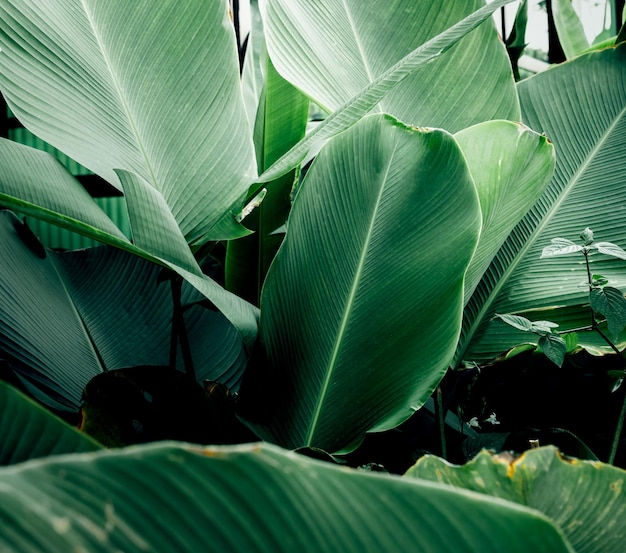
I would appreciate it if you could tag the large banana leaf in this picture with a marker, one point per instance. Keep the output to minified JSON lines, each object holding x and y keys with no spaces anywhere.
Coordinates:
{"x":66,"y":317}
{"x":28,"y":431}
{"x":511,"y":167}
{"x":150,"y":89}
{"x":333,"y":50}
{"x":182,"y":498}
{"x":581,"y":107}
{"x":355,"y":107}
{"x":361,"y":308}
{"x":584,"y":498}
{"x":34,"y":183}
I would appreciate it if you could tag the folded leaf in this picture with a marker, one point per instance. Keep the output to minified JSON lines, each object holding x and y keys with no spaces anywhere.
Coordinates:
{"x":153,"y":90}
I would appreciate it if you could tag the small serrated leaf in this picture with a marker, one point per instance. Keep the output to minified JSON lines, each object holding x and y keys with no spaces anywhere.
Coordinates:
{"x":611,"y":249}
{"x":543,"y":326}
{"x":611,"y":303}
{"x":587,"y":236}
{"x":554,"y":348}
{"x":521,"y":323}
{"x":560,"y":246}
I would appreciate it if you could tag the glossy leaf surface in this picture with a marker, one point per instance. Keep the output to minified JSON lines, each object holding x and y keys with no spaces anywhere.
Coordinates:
{"x":584,"y":498}
{"x":357,"y":330}
{"x":587,"y":126}
{"x":153,"y":90}
{"x":248,"y":498}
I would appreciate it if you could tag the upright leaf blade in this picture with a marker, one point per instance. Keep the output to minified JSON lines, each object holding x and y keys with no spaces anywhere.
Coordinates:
{"x":357,"y":331}
{"x":587,"y":126}
{"x":355,"y":107}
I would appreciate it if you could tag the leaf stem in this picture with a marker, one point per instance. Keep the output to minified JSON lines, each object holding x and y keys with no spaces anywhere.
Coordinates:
{"x":179,"y":331}
{"x":440,"y":421}
{"x":618,"y":433}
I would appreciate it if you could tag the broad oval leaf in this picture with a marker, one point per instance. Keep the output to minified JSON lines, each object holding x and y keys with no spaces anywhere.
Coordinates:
{"x":172,"y":497}
{"x":153,"y":90}
{"x":584,"y":498}
{"x":358,"y":332}
{"x":28,"y":431}
{"x":587,"y":126}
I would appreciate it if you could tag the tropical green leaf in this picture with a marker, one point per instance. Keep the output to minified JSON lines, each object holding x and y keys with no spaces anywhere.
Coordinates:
{"x":553,"y":347}
{"x":65,"y":317}
{"x":357,"y":331}
{"x":511,"y":167}
{"x":584,"y":498}
{"x":588,"y":129}
{"x":348,"y":46}
{"x":41,"y":334}
{"x":35,"y":184}
{"x":28,"y":431}
{"x":285,"y":20}
{"x":248,"y":498}
{"x":152,"y":90}
{"x":252,"y":78}
{"x":569,"y":28}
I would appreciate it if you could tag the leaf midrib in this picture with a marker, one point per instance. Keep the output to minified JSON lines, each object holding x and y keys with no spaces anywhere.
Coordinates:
{"x":332,"y":363}
{"x":118,"y":89}
{"x":493,"y":296}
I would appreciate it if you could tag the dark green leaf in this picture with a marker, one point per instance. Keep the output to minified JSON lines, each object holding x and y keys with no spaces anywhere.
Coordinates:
{"x":611,"y":303}
{"x":554,"y":348}
{"x":252,"y":498}
{"x":28,"y":431}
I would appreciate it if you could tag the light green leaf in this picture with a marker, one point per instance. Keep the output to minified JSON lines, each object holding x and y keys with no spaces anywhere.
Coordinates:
{"x":511,"y":167}
{"x":569,"y":28}
{"x":521,"y":323}
{"x":281,"y":122}
{"x":560,"y":246}
{"x":611,"y":249}
{"x":287,"y":43}
{"x":349,"y":45}
{"x":249,"y":498}
{"x":587,"y":126}
{"x":583,"y":498}
{"x":357,"y":331}
{"x":611,"y":303}
{"x":28,"y":431}
{"x":152,"y":90}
